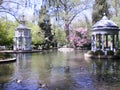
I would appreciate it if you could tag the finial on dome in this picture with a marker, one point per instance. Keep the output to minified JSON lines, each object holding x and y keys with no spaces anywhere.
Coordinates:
{"x":22,"y":19}
{"x":104,"y":14}
{"x":104,"y":17}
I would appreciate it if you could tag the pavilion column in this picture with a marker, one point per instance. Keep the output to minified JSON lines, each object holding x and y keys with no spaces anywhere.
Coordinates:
{"x":117,"y":41}
{"x":95,"y":42}
{"x":18,"y":39}
{"x":106,"y":41}
{"x":15,"y":43}
{"x":99,"y":35}
{"x":103,"y":42}
{"x":92,"y":46}
{"x":111,"y":43}
{"x":23,"y":44}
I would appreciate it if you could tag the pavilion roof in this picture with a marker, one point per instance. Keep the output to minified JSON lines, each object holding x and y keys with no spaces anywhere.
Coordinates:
{"x":104,"y":24}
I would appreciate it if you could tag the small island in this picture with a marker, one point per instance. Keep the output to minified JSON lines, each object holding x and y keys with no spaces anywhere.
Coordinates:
{"x":103,"y":55}
{"x":105,"y":40}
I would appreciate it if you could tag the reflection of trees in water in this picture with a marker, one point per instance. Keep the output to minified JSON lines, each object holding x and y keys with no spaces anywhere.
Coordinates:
{"x":106,"y":70}
{"x":6,"y":70}
{"x":71,"y":75}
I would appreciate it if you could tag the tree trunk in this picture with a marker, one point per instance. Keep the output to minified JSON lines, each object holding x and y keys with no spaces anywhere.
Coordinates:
{"x":67,"y":32}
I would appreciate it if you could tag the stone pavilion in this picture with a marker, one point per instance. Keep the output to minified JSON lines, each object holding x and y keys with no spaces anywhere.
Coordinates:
{"x":22,"y":37}
{"x":105,"y":35}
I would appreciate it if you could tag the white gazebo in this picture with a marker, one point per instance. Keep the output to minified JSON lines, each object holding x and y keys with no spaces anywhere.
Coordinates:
{"x":22,"y":37}
{"x":105,"y":35}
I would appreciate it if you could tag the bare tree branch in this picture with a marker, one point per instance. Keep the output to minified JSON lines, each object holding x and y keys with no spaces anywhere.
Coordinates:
{"x":11,"y":14}
{"x":12,"y":2}
{"x":72,"y":17}
{"x":10,"y":10}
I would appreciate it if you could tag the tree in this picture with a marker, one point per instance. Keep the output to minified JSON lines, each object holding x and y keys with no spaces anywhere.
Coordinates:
{"x":66,"y":11}
{"x":45,"y":25}
{"x":6,"y":32}
{"x":60,"y":35}
{"x":115,"y":4}
{"x":99,"y":8}
{"x":10,"y":7}
{"x":36,"y":34}
{"x":115,"y":10}
{"x":78,"y":38}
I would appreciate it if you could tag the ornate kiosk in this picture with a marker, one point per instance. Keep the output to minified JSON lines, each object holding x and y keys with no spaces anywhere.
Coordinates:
{"x":104,"y":40}
{"x":105,"y":35}
{"x":22,"y":38}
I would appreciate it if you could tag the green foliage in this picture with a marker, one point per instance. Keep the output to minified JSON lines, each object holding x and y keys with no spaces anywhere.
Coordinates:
{"x":110,"y":52}
{"x":99,"y":52}
{"x":116,"y":6}
{"x":60,"y":35}
{"x":118,"y":52}
{"x":36,"y":34}
{"x":6,"y":32}
{"x":2,"y":56}
{"x":90,"y":52}
{"x":99,"y":8}
{"x":5,"y":55}
{"x":64,"y":11}
{"x":115,"y":11}
{"x":8,"y":55}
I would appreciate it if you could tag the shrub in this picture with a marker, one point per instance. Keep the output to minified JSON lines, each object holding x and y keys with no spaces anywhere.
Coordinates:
{"x":90,"y":52}
{"x":118,"y":52}
{"x":5,"y":55}
{"x":2,"y":56}
{"x":99,"y":52}
{"x":110,"y":52}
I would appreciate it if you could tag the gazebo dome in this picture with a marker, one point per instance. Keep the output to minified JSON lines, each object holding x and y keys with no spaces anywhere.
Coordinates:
{"x":105,"y":23}
{"x":22,"y":26}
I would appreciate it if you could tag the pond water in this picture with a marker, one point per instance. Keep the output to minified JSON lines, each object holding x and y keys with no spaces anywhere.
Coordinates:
{"x":59,"y":71}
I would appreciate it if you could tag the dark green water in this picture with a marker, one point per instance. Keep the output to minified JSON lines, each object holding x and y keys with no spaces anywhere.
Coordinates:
{"x":60,"y":71}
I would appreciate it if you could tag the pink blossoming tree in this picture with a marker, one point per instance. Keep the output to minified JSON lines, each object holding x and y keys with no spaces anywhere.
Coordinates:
{"x":78,"y":37}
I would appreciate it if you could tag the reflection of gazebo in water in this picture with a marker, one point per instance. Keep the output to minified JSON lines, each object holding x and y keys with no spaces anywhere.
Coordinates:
{"x":105,"y":35}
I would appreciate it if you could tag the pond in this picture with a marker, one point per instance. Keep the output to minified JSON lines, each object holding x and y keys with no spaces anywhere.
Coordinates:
{"x":59,"y":71}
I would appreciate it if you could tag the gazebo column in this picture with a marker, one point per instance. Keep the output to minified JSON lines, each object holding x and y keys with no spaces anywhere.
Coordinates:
{"x":95,"y":42}
{"x":15,"y":43}
{"x":111,"y":43}
{"x":106,"y":41}
{"x":117,"y":41}
{"x":23,"y":44}
{"x":103,"y":42}
{"x":92,"y":46}
{"x":99,"y":35}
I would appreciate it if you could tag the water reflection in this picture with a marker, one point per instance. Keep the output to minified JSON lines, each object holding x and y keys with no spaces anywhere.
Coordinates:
{"x":106,"y":70}
{"x":5,"y":72}
{"x":59,"y":71}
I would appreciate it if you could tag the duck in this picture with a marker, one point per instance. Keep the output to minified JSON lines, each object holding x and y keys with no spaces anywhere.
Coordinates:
{"x":18,"y":80}
{"x":43,"y":85}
